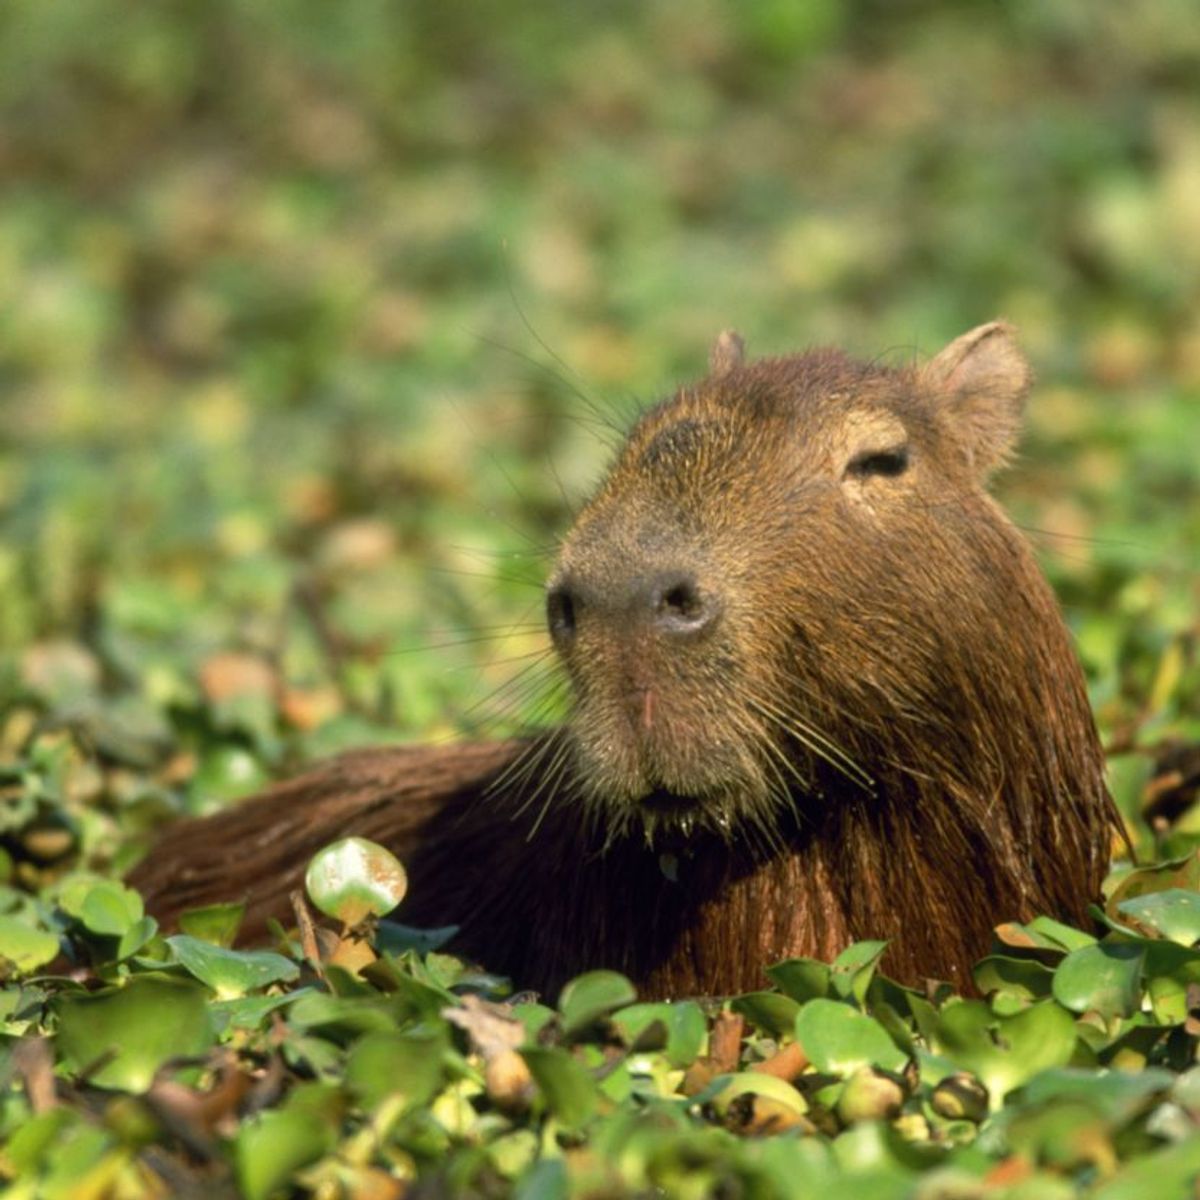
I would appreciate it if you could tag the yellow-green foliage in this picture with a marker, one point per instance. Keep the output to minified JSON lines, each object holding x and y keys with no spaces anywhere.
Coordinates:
{"x":315,"y":321}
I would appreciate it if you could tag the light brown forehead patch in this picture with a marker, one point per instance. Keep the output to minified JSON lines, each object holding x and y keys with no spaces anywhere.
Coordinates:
{"x":856,"y":430}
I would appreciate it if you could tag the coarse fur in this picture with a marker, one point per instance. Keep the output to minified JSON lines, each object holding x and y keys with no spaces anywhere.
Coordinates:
{"x":822,"y":693}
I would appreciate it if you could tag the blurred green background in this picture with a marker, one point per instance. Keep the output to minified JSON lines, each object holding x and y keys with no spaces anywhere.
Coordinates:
{"x":313,"y":317}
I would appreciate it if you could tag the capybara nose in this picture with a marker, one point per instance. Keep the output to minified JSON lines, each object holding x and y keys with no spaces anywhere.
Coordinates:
{"x":676,"y":606}
{"x":670,"y":603}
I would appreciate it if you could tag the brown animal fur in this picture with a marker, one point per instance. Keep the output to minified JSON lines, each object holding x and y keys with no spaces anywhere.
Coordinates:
{"x":823,"y":693}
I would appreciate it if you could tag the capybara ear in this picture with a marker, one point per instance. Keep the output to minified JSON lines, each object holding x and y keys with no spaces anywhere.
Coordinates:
{"x":727,"y":352}
{"x":980,"y":380}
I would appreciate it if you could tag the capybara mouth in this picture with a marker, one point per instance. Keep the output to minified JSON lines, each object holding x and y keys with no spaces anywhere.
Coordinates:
{"x":669,"y":818}
{"x":668,"y":803}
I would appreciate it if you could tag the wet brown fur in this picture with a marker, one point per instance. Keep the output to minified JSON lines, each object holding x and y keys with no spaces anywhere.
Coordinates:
{"x":883,"y":734}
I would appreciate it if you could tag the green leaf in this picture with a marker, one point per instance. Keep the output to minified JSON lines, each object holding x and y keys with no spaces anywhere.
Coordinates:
{"x":354,"y":878}
{"x":444,"y":969}
{"x":727,"y":1088}
{"x":838,"y":1038}
{"x":896,"y":1027}
{"x":413,"y":997}
{"x":547,"y":1181}
{"x":75,"y":1164}
{"x":535,"y":1017}
{"x":1168,"y":971}
{"x":1044,"y":939}
{"x":135,"y":937}
{"x":1168,"y":1174}
{"x":408,"y":1064}
{"x":1174,"y":913}
{"x":1181,"y":873}
{"x":568,"y":1089}
{"x":342,"y":1018}
{"x":686,"y":1031}
{"x":1024,"y":939}
{"x":1104,"y":978}
{"x":852,"y":970}
{"x":768,"y":1011}
{"x":21,"y":1010}
{"x":151,"y":1019}
{"x":271,"y":1148}
{"x":589,"y":997}
{"x":801,"y":978}
{"x":1024,"y":979}
{"x":231,"y":973}
{"x":682,"y":1027}
{"x":24,"y":949}
{"x":27,"y":1149}
{"x":1066,"y":936}
{"x":225,"y":773}
{"x":216,"y":923}
{"x":1118,"y":1096}
{"x":110,"y":909}
{"x":877,"y":1163}
{"x":249,"y":1012}
{"x":1004,"y":1051}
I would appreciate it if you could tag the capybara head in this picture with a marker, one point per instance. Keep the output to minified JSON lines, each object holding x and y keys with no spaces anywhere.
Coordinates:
{"x":793,"y":589}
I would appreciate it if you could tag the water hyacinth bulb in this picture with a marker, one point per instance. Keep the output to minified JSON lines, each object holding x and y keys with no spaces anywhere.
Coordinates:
{"x":354,"y":878}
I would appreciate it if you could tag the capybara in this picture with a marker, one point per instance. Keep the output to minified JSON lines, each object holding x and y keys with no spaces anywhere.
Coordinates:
{"x":822,"y":693}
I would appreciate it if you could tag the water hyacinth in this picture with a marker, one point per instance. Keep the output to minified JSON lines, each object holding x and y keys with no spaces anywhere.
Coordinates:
{"x":315,"y":323}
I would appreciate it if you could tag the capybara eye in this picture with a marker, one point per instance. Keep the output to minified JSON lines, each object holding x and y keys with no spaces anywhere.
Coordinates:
{"x":888,"y":463}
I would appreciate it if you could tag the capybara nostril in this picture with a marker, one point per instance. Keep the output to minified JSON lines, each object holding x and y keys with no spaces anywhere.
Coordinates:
{"x":561,"y":609}
{"x":678,"y":608}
